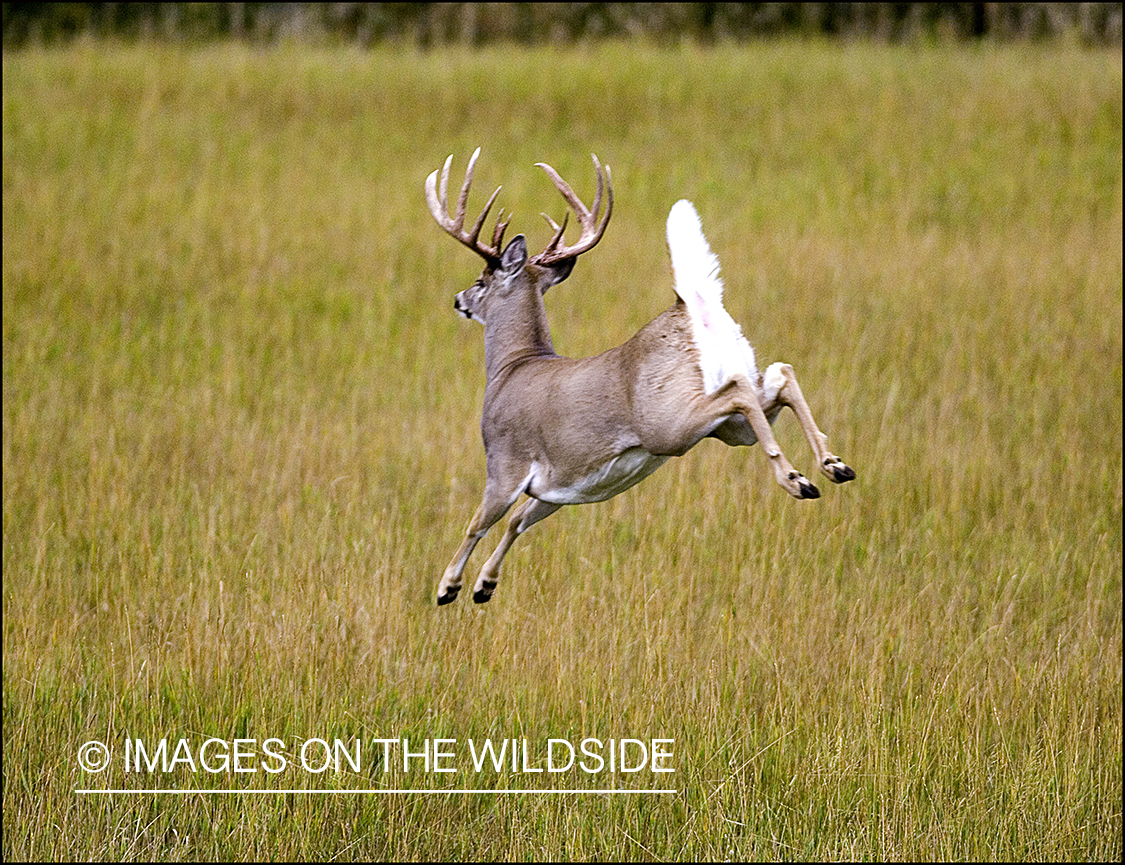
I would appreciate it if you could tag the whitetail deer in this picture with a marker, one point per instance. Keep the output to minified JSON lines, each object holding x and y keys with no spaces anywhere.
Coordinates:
{"x":569,"y":431}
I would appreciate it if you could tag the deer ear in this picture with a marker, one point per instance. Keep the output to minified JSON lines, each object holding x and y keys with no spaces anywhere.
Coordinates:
{"x":515,"y":256}
{"x":556,"y":273}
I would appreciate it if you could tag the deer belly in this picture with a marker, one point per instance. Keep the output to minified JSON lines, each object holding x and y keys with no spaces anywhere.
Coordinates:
{"x":623,"y":471}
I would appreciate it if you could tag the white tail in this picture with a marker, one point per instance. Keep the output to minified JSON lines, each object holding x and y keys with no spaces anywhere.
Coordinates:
{"x":576,"y":430}
{"x":724,"y":351}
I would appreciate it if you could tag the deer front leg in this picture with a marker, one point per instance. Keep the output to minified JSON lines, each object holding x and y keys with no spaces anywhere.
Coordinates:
{"x":781,"y":379}
{"x":492,"y":507}
{"x":450,"y":583}
{"x":526,"y":515}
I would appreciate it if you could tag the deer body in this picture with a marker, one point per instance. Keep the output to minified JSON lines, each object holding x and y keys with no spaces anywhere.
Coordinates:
{"x":579,"y":430}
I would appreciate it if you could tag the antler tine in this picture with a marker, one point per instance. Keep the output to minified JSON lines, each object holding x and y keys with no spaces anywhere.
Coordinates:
{"x":437,"y":196}
{"x":443,"y":193}
{"x":559,"y":229}
{"x":501,"y":227}
{"x":609,"y":192}
{"x":564,"y":187}
{"x":463,"y":198}
{"x":475,"y":233}
{"x":592,"y":228}
{"x":598,"y":192}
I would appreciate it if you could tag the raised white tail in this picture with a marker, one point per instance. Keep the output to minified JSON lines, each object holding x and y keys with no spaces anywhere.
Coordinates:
{"x":723,"y":350}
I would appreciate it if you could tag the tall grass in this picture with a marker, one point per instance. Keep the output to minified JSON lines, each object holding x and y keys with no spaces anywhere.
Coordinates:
{"x":240,"y":444}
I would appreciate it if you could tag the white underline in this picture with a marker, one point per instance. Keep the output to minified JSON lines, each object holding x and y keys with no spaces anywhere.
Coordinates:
{"x":379,"y":791}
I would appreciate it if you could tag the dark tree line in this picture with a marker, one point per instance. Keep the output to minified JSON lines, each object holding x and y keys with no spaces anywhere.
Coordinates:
{"x":432,"y":24}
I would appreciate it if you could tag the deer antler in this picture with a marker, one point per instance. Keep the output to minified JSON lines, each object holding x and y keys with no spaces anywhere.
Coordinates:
{"x":592,"y":229}
{"x":438,"y":199}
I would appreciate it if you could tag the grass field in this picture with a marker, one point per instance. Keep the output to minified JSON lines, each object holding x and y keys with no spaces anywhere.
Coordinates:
{"x":240,"y":444}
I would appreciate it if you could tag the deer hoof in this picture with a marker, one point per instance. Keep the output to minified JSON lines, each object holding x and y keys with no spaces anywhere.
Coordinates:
{"x":483,"y":590}
{"x":807,"y":490}
{"x":448,"y":598}
{"x":836,"y":471}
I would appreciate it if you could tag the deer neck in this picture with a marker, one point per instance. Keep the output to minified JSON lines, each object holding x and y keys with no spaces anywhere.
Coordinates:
{"x":515,"y":331}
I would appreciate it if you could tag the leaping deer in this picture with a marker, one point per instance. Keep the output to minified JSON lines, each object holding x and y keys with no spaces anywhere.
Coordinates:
{"x":574,"y":430}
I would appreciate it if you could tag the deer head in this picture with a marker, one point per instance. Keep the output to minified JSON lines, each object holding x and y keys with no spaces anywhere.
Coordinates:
{"x":508,"y":271}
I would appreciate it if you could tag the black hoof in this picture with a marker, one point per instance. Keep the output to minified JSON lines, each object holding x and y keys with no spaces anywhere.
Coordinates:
{"x":808,"y":491}
{"x":447,"y":599}
{"x":842,"y":473}
{"x":481,"y":597}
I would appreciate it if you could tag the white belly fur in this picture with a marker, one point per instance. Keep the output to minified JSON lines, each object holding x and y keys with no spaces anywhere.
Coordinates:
{"x":623,"y":471}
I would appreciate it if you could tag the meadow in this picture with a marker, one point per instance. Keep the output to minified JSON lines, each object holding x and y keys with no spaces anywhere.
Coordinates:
{"x":241,"y":443}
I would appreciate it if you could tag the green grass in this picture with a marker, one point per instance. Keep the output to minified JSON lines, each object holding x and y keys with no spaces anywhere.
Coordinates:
{"x":240,"y":444}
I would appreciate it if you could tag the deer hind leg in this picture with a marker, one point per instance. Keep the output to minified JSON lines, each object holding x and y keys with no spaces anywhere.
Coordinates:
{"x":739,"y":406}
{"x":743,"y":397}
{"x":780,"y":386}
{"x":526,"y":515}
